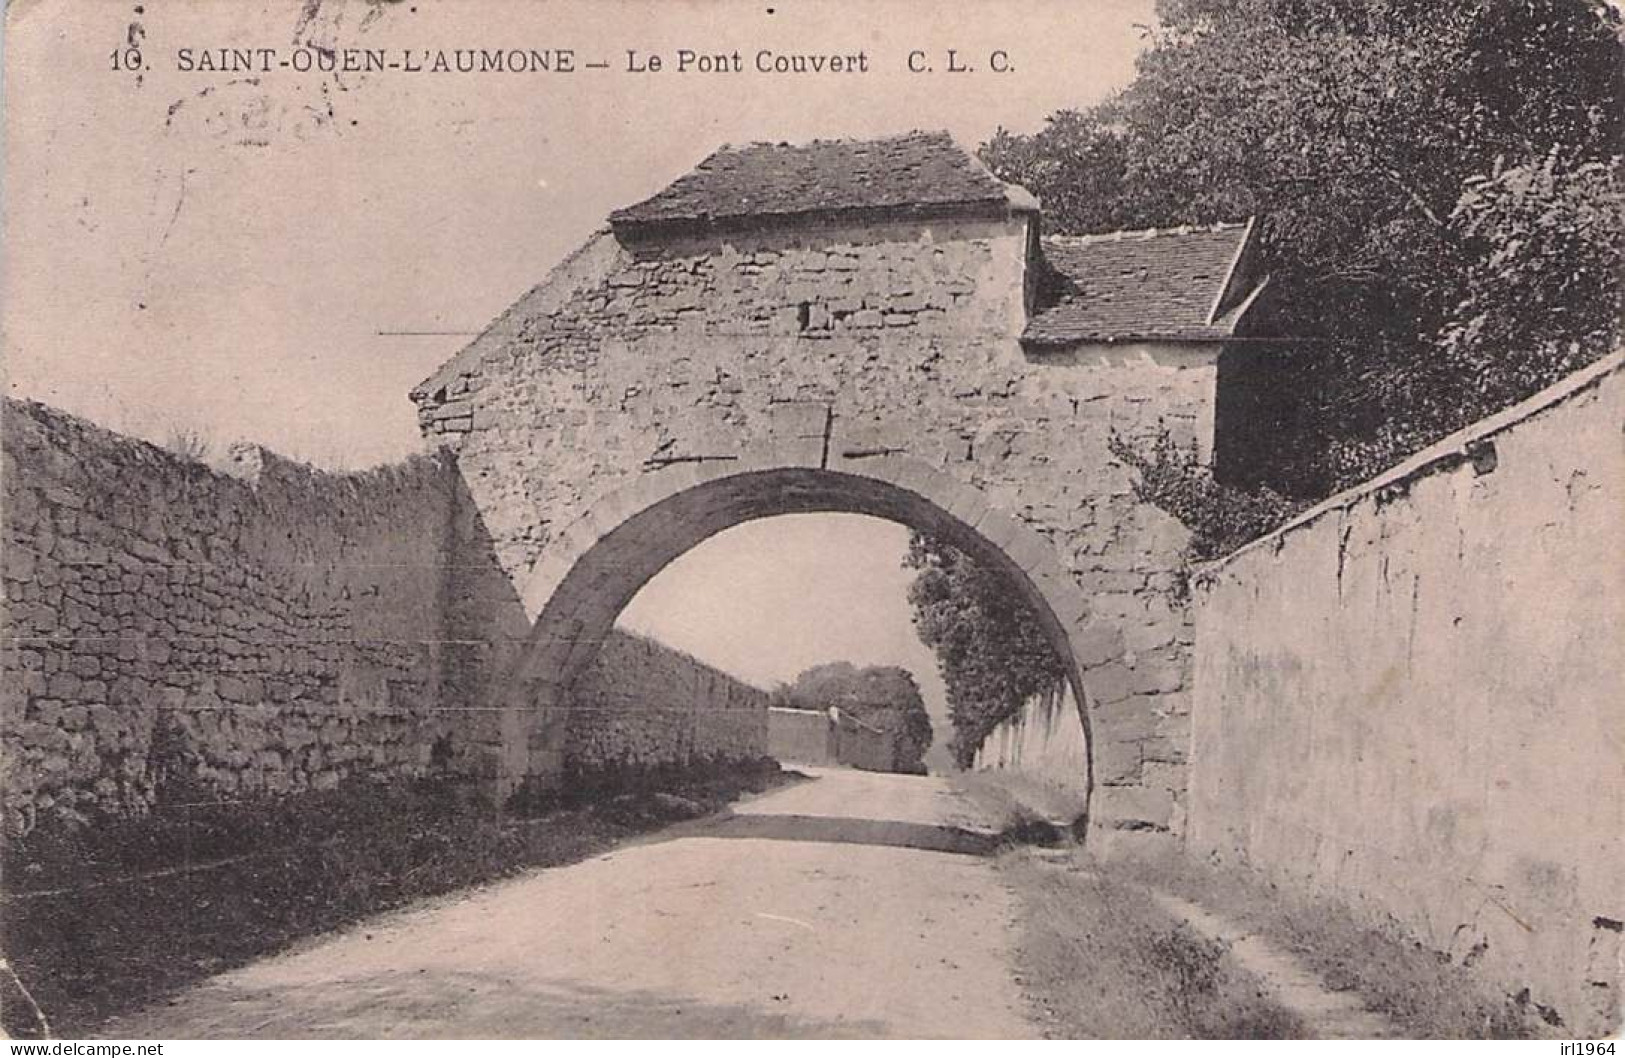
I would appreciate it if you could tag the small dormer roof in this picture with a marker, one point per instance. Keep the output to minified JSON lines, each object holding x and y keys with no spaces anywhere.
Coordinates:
{"x":1168,"y":284}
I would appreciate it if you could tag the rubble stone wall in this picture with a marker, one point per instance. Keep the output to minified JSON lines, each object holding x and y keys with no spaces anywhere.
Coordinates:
{"x":642,"y":703}
{"x":171,"y":626}
{"x":174,"y":631}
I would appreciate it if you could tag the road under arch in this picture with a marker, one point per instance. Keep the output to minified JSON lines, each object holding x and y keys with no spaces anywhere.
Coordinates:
{"x":628,"y":539}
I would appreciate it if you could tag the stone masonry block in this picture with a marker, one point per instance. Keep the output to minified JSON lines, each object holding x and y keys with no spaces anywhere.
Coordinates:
{"x":799,"y":419}
{"x":795,"y":452}
{"x":1031,"y":551}
{"x":1109,"y":683}
{"x":1097,"y":644}
{"x":1134,"y":807}
{"x":1157,"y":675}
{"x":1116,"y":762}
{"x":1127,"y":720}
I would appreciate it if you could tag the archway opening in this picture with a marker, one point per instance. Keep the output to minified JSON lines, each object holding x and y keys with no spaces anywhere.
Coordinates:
{"x":814,"y":612}
{"x":629,"y":539}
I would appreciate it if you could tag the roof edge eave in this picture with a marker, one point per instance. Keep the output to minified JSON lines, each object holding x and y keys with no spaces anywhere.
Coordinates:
{"x":1052,"y":344}
{"x":457,"y":364}
{"x":646,"y":230}
{"x":1236,"y":258}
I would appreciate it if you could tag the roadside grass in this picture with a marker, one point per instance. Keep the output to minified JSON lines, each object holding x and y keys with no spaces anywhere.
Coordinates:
{"x":1100,"y":959}
{"x":103,"y":920}
{"x":1014,"y":800}
{"x":1420,"y":990}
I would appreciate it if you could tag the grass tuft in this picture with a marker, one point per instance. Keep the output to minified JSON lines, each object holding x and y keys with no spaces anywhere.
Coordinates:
{"x":1420,"y":990}
{"x":1101,"y":960}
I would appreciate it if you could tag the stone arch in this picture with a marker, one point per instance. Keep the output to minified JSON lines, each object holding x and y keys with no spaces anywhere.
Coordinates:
{"x":593,"y":570}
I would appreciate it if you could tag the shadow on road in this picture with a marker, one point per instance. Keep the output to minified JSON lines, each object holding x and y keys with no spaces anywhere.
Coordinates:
{"x":467,"y":1004}
{"x":891,"y":833}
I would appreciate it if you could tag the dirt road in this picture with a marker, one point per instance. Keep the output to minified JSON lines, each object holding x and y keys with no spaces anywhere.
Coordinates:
{"x":853,"y":905}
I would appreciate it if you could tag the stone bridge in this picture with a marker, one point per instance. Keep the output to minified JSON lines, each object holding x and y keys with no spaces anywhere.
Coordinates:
{"x":877,"y":328}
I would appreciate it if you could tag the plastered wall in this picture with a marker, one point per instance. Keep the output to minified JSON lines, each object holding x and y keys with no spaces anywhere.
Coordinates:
{"x":1409,"y":698}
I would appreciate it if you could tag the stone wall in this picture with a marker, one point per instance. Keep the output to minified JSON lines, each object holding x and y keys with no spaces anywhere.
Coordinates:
{"x":173,"y":628}
{"x":175,"y":631}
{"x":1409,"y":698}
{"x":641,"y":703}
{"x":1044,"y":740}
{"x":801,"y":736}
{"x":886,"y":353}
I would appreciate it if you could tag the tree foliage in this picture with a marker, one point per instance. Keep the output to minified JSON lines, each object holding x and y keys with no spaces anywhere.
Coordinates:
{"x":1438,"y":188}
{"x":885,"y":696}
{"x":1551,"y":236}
{"x":991,"y":649}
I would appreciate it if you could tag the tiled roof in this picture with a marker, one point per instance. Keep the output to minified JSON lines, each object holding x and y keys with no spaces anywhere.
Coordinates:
{"x":916,"y":173}
{"x":1174,"y":284}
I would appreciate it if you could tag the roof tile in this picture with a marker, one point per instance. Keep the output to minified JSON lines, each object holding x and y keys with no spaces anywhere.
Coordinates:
{"x":1136,"y":285}
{"x":913,"y":173}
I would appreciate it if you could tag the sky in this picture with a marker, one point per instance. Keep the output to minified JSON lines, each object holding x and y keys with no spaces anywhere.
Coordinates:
{"x":839,"y":575}
{"x":279,"y":256}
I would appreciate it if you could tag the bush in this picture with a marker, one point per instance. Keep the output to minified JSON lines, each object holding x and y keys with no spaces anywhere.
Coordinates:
{"x":1173,"y":478}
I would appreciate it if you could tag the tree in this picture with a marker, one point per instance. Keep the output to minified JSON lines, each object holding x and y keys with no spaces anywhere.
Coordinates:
{"x":1424,"y":172}
{"x":988,"y":641}
{"x":885,"y":696}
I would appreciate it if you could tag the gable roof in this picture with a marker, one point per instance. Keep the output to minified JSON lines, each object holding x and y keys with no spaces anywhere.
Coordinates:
{"x":1173,"y":284}
{"x":915,"y":174}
